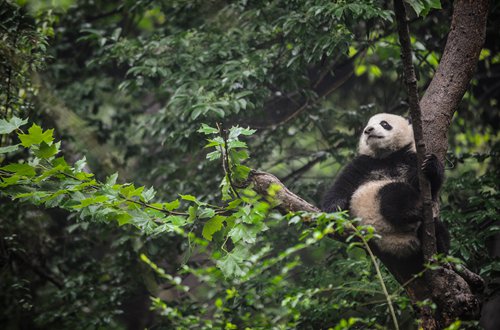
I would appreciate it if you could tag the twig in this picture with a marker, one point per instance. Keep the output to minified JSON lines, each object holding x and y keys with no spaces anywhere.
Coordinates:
{"x":143,"y":204}
{"x":320,"y":156}
{"x":380,"y":278}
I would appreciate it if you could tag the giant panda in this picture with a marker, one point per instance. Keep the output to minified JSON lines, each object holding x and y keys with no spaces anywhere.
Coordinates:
{"x":380,"y":186}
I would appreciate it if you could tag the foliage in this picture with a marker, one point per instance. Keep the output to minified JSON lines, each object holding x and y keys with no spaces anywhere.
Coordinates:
{"x":48,"y":180}
{"x":175,"y":95}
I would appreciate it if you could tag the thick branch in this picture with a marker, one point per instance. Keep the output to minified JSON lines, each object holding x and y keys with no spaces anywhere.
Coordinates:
{"x":288,"y":201}
{"x":455,"y":70}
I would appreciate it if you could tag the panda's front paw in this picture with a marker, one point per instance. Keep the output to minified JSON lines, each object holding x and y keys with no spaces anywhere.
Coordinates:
{"x":434,"y":171}
{"x":431,"y":166}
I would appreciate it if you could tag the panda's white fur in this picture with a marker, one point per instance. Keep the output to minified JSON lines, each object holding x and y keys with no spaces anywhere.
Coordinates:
{"x":381,"y":142}
{"x":401,"y":241}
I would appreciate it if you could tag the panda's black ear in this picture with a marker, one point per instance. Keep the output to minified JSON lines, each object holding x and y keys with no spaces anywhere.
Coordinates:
{"x":409,"y":120}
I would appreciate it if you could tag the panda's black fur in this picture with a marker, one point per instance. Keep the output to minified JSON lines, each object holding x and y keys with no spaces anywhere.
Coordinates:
{"x":380,"y":186}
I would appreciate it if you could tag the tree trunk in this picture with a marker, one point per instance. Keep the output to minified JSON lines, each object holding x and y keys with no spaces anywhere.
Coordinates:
{"x":450,"y":290}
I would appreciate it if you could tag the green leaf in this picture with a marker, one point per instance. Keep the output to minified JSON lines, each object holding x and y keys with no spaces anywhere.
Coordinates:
{"x":217,"y":141}
{"x":20,"y":169}
{"x":232,"y":263}
{"x":172,"y":205}
{"x":241,"y":172}
{"x":148,"y":195}
{"x":7,"y":149}
{"x":91,"y":200}
{"x":48,"y":173}
{"x":129,"y":191}
{"x":360,"y":69}
{"x":206,"y":213}
{"x":197,"y":111}
{"x":143,"y":221}
{"x":8,"y":181}
{"x":243,"y":94}
{"x":188,"y":198}
{"x":236,"y":131}
{"x":238,"y":155}
{"x":11,"y":125}
{"x":375,"y":71}
{"x":207,"y":129}
{"x":80,"y":164}
{"x":61,"y":163}
{"x":236,"y":144}
{"x":36,"y":136}
{"x":241,"y":232}
{"x":218,"y":111}
{"x":111,"y":180}
{"x":247,"y":131}
{"x":192,"y":213}
{"x":213,"y":155}
{"x":212,"y":226}
{"x":422,"y":7}
{"x":230,"y":266}
{"x":233,"y":204}
{"x":123,"y":219}
{"x":46,"y":151}
{"x":176,"y":220}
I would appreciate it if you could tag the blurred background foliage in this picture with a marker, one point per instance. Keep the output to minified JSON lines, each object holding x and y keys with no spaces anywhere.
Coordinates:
{"x":128,"y":84}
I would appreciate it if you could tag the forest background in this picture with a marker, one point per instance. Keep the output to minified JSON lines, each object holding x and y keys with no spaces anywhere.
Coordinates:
{"x":184,"y":98}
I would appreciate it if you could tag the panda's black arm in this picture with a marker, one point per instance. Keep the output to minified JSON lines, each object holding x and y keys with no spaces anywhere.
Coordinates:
{"x":339,"y":195}
{"x":434,"y":171}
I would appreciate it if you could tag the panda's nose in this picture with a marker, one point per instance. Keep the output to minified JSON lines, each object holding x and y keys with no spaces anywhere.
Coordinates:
{"x":368,"y":130}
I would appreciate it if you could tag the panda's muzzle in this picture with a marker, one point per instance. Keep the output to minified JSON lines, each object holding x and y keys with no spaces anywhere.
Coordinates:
{"x":368,"y":131}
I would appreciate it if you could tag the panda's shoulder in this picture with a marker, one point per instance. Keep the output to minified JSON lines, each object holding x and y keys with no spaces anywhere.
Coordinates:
{"x":404,"y":155}
{"x":365,"y":163}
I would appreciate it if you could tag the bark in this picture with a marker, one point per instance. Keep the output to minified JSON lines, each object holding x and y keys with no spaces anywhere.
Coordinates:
{"x":457,"y":65}
{"x":453,"y":291}
{"x":285,"y":199}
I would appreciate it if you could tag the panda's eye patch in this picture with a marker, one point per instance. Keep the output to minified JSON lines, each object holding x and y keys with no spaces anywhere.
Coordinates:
{"x":385,"y":125}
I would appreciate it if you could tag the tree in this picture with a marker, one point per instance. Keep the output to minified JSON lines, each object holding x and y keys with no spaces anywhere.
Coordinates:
{"x":439,"y":103}
{"x":266,"y":65}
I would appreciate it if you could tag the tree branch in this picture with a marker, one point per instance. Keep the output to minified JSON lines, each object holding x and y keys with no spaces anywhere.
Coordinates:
{"x":288,"y":201}
{"x":429,"y":236}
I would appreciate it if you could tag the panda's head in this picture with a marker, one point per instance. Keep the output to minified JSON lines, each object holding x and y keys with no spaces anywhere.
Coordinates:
{"x":385,"y":134}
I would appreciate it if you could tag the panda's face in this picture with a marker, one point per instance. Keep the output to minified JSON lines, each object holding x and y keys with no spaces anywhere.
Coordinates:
{"x":385,"y":134}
